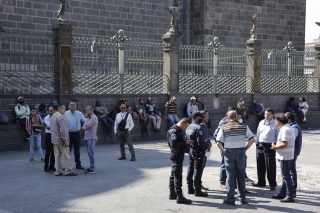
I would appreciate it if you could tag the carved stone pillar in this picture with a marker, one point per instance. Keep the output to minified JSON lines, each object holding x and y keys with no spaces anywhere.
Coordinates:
{"x":254,"y":64}
{"x":171,"y":58}
{"x":62,"y":54}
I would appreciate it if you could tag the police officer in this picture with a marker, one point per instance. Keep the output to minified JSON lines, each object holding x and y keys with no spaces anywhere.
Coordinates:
{"x":197,"y":157}
{"x":178,"y":146}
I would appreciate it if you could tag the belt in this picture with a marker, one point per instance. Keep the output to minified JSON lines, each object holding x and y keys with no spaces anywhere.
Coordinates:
{"x":265,"y":143}
{"x":171,"y":113}
{"x":48,"y":133}
{"x":74,"y":132}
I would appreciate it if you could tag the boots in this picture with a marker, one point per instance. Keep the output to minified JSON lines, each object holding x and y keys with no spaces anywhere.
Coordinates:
{"x":182,"y":200}
{"x":172,"y":195}
{"x":201,"y":194}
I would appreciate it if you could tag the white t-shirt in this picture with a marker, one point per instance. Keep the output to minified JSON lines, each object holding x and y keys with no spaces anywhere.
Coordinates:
{"x":286,"y":134}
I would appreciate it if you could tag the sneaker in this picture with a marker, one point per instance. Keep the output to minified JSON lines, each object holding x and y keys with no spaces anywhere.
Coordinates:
{"x":79,"y":167}
{"x":223,"y":186}
{"x":42,"y":159}
{"x":122,"y":158}
{"x":72,"y":174}
{"x":31,"y":159}
{"x":89,"y":171}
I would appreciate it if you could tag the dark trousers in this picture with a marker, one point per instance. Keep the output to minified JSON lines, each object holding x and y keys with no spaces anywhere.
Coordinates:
{"x":108,"y":124}
{"x":75,"y":143}
{"x":22,"y":122}
{"x":124,"y":138}
{"x":190,"y":172}
{"x":199,"y":165}
{"x":143,"y":125}
{"x":300,"y":114}
{"x":266,"y":162}
{"x":49,"y":152}
{"x":287,"y":187}
{"x":175,"y":180}
{"x":293,"y":173}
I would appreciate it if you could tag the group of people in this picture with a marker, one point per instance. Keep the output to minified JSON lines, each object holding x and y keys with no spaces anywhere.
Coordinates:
{"x":278,"y":137}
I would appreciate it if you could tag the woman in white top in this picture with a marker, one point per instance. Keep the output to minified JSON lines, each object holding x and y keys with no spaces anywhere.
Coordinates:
{"x":284,"y":153}
{"x":303,"y":105}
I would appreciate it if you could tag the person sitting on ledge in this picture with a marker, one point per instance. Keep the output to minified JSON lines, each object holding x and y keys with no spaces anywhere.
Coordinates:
{"x":152,"y":114}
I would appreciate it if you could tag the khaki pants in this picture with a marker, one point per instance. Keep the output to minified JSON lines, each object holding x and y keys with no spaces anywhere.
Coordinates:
{"x":59,"y":150}
{"x":156,"y":120}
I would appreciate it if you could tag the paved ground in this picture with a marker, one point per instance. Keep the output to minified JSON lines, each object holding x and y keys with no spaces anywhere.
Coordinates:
{"x":142,"y":186}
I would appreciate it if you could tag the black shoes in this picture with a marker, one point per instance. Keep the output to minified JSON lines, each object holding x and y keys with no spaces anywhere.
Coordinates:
{"x":89,"y":171}
{"x":133,"y":159}
{"x":278,"y":196}
{"x":110,"y":135}
{"x":47,"y":171}
{"x":272,"y":188}
{"x":228,"y":202}
{"x":183,"y":200}
{"x":72,"y":174}
{"x":287,"y":200}
{"x":244,"y":202}
{"x":52,"y":169}
{"x":201,"y":194}
{"x":257,"y":185}
{"x":191,"y":191}
{"x":172,"y":195}
{"x":79,"y":167}
{"x":122,"y":158}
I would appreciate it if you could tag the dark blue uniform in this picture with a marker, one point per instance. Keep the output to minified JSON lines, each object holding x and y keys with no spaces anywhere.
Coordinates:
{"x":197,"y":160}
{"x":178,"y":146}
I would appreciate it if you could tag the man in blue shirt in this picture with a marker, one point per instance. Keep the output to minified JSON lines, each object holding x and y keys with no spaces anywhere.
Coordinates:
{"x":152,"y":114}
{"x":75,"y":120}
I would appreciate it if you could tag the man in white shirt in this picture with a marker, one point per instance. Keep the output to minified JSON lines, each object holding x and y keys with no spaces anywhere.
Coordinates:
{"x":49,"y":146}
{"x":285,"y":154}
{"x":122,"y":131}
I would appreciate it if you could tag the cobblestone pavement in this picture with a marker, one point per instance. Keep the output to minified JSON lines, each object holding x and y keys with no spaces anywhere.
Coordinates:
{"x":142,"y":186}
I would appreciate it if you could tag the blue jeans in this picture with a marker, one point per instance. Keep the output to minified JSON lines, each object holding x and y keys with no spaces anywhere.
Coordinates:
{"x":108,"y":124}
{"x":35,"y":138}
{"x":223,"y":174}
{"x":287,"y":185}
{"x":173,"y":119}
{"x":235,"y":160}
{"x":90,"y":149}
{"x":293,"y":173}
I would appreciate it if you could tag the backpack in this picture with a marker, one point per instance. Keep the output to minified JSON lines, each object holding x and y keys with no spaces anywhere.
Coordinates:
{"x":4,"y":119}
{"x":122,"y":124}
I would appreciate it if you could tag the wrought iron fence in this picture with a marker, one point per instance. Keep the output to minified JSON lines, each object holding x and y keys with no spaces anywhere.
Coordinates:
{"x":205,"y":84}
{"x":232,"y":61}
{"x":26,"y":63}
{"x":288,"y":71}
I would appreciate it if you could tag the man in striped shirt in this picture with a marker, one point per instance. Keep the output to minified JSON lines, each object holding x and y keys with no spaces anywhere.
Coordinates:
{"x":233,"y":135}
{"x":171,"y":110}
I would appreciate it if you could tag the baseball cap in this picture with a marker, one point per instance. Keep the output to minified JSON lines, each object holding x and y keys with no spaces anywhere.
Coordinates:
{"x":20,"y":97}
{"x":150,"y":99}
{"x":98,"y":101}
{"x":192,"y":98}
{"x":122,"y":100}
{"x":75,"y":100}
{"x":173,"y":98}
{"x":54,"y":103}
{"x":241,"y":99}
{"x":198,"y":114}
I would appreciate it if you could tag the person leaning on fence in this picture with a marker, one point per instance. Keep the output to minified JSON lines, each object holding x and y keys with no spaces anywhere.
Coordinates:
{"x":152,"y":114}
{"x":22,"y":112}
{"x":103,"y":115}
{"x":49,"y":164}
{"x":90,"y":136}
{"x":293,"y":107}
{"x":142,"y":116}
{"x":34,"y":127}
{"x":171,"y":111}
{"x":303,"y":106}
{"x":192,"y":107}
{"x":42,"y":110}
{"x":122,"y":128}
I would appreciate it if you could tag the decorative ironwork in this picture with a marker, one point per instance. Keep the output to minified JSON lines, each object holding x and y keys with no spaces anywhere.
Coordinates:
{"x":204,"y":84}
{"x":25,"y":61}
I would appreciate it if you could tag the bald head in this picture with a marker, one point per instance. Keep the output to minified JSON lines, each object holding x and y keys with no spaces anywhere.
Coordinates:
{"x":232,"y":115}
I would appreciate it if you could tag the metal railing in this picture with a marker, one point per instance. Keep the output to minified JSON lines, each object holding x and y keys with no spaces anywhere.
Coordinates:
{"x":26,"y":63}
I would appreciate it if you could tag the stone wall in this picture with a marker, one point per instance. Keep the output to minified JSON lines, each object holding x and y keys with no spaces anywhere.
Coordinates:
{"x":280,"y":21}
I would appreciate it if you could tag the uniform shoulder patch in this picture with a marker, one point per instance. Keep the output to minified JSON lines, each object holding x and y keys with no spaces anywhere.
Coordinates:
{"x":173,"y":136}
